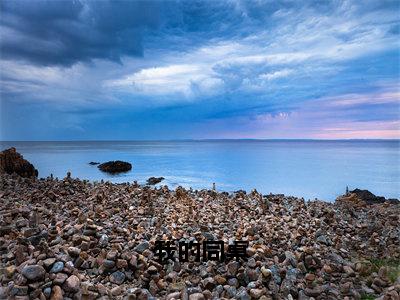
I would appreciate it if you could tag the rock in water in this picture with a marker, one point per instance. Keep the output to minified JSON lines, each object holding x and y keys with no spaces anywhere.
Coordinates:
{"x":116,"y":166}
{"x":13,"y":162}
{"x":94,"y":163}
{"x":154,"y":180}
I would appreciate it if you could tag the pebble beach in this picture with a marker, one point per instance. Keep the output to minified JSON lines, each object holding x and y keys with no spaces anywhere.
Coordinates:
{"x":74,"y":239}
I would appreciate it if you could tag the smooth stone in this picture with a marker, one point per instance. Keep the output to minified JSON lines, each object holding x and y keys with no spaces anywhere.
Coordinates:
{"x":256,"y":293}
{"x":10,"y":270}
{"x":48,"y":262}
{"x":74,"y":251}
{"x":18,"y":290}
{"x":232,"y":268}
{"x":152,"y":270}
{"x":34,"y":272}
{"x":116,"y":291}
{"x":209,"y":283}
{"x":291,"y":258}
{"x":108,"y":264}
{"x":242,"y":294}
{"x":315,"y":292}
{"x":72,"y":284}
{"x":112,"y":255}
{"x":175,"y":295}
{"x":60,"y":278}
{"x":57,"y":267}
{"x":142,"y":247}
{"x":309,"y":277}
{"x":209,"y":236}
{"x":322,"y":239}
{"x":252,"y":274}
{"x":220,"y":279}
{"x":266,"y":272}
{"x":103,"y":241}
{"x":122,"y":264}
{"x":275,"y":274}
{"x":35,"y":239}
{"x":117,"y":277}
{"x":348,"y":270}
{"x":251,"y":263}
{"x":233,"y":282}
{"x":196,"y":296}
{"x":327,"y":269}
{"x":57,"y":293}
{"x":231,"y":291}
{"x":47,"y":292}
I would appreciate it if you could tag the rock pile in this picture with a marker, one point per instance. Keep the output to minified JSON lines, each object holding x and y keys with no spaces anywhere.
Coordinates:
{"x":13,"y":162}
{"x":73,"y":239}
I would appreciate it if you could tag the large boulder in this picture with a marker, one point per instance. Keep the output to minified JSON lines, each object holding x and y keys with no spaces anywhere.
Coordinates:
{"x":13,"y":162}
{"x":368,"y":197}
{"x":116,"y":166}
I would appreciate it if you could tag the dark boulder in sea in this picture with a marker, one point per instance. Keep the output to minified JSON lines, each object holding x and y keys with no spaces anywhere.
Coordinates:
{"x":13,"y":162}
{"x":154,"y":180}
{"x":94,"y":163}
{"x":116,"y":166}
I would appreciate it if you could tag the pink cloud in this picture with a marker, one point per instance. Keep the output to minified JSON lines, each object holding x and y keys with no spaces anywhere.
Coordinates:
{"x":324,"y":118}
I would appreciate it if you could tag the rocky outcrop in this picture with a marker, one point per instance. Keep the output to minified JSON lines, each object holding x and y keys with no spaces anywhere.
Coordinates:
{"x":13,"y":162}
{"x":154,"y":180}
{"x":93,"y":163}
{"x":361,"y":198}
{"x":116,"y":166}
{"x":368,"y":197}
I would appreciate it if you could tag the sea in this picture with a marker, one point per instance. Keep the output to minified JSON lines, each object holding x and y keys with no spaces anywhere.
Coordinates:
{"x":307,"y":169}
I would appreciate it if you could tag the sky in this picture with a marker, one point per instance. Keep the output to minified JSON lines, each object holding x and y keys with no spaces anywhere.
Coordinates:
{"x":155,"y":70}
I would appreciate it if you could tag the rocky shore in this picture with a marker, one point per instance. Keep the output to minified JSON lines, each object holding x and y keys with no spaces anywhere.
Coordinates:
{"x":74,"y":239}
{"x":13,"y":162}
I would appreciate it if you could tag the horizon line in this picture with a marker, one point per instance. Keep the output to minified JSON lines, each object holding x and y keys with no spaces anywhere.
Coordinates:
{"x":201,"y":140}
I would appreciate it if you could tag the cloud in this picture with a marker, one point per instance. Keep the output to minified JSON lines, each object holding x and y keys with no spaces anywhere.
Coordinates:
{"x":66,"y":32}
{"x":391,"y":96}
{"x":181,"y":62}
{"x":311,"y":45}
{"x":348,"y":116}
{"x":275,"y":75}
{"x":172,"y":79}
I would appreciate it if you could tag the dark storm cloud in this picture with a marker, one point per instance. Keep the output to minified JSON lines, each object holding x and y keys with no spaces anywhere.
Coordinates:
{"x":66,"y":32}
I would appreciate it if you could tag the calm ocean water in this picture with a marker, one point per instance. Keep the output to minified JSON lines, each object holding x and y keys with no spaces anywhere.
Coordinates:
{"x":309,"y":169}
